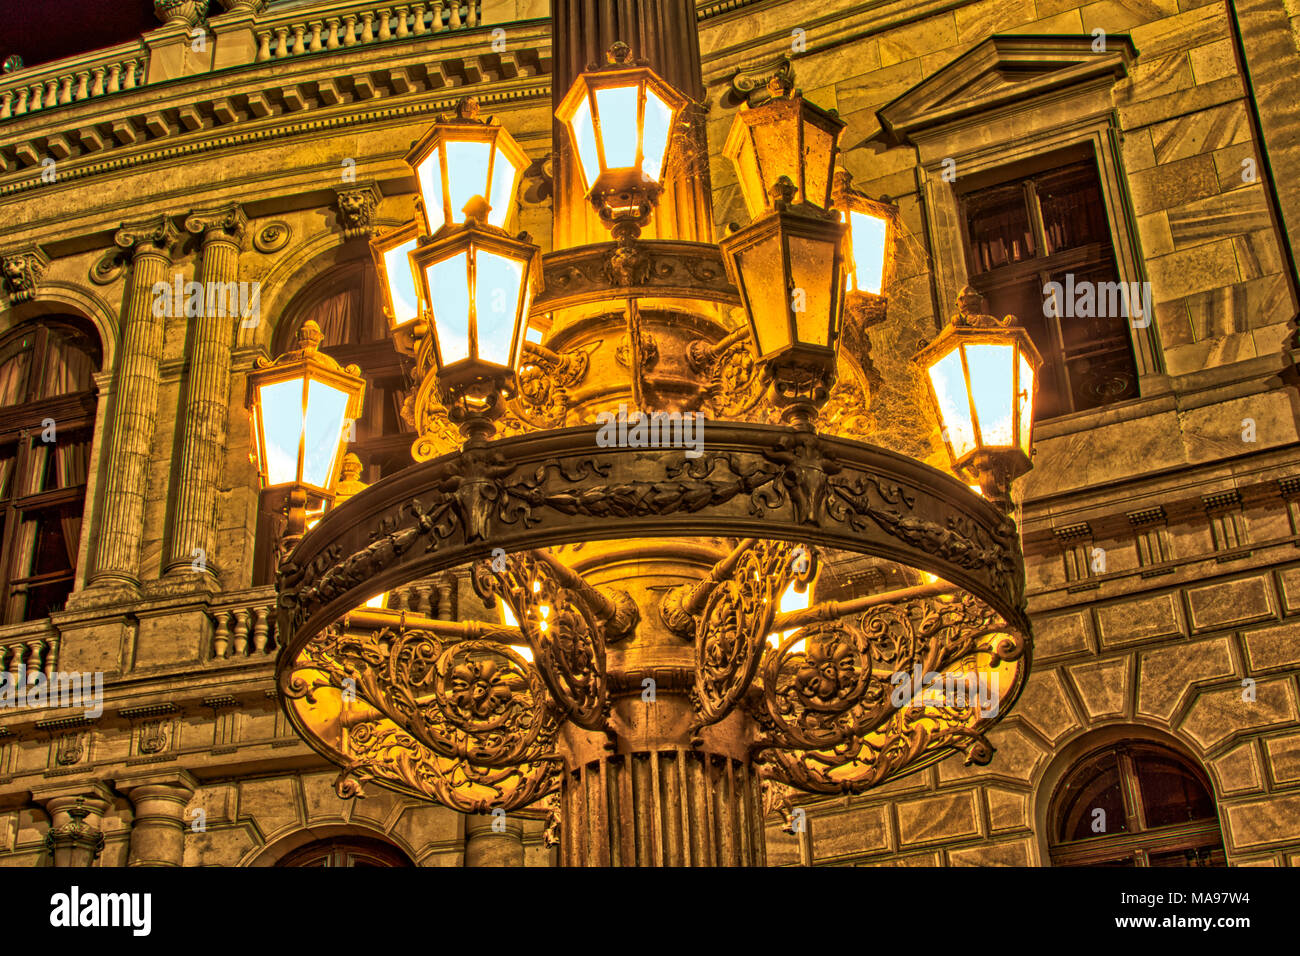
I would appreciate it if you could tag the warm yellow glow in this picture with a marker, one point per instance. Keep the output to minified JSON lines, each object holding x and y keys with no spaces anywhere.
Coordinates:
{"x":949,"y":382}
{"x":508,"y":619}
{"x":378,"y":600}
{"x":792,"y":600}
{"x":867,"y":234}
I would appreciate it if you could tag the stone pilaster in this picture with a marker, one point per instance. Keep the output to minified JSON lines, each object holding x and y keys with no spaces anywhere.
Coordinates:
{"x":117,"y":547}
{"x":494,"y":840}
{"x":158,"y":831}
{"x":207,"y":395}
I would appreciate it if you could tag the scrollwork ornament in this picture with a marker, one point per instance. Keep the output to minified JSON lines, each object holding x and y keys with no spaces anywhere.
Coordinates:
{"x":564,"y":632}
{"x":733,"y":627}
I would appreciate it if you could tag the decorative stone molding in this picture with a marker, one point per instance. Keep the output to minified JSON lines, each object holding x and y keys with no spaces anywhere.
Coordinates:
{"x":272,"y":237}
{"x":357,"y":207}
{"x":23,"y":271}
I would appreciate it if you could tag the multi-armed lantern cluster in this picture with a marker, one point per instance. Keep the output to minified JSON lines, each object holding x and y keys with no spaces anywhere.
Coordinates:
{"x":460,"y":286}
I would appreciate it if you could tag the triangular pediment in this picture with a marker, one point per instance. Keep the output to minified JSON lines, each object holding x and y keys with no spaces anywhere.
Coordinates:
{"x":1001,"y":71}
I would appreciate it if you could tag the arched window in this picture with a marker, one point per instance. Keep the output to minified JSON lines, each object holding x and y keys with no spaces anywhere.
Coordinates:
{"x":1134,"y":805}
{"x":346,"y":851}
{"x":47,"y":413}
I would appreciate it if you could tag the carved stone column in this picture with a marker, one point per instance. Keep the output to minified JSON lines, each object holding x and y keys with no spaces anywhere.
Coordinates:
{"x":76,"y":812}
{"x":158,"y":831}
{"x":664,"y":33}
{"x":207,"y":395}
{"x":121,"y":522}
{"x":494,"y":841}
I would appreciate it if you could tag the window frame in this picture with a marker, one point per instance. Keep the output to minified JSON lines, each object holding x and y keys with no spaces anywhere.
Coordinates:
{"x":20,"y":425}
{"x":1138,"y":841}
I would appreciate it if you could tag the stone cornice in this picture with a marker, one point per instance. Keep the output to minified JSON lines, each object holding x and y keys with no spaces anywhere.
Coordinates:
{"x":271,"y":100}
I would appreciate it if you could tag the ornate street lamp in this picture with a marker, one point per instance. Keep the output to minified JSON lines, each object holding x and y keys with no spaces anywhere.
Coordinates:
{"x":982,"y":372}
{"x":868,"y":250}
{"x":604,"y":584}
{"x":461,"y":157}
{"x":302,"y":404}
{"x":475,"y":283}
{"x":620,"y":119}
{"x":784,"y":136}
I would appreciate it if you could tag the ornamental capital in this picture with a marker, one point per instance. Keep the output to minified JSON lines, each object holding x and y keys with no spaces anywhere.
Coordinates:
{"x":218,"y":222}
{"x":23,"y":271}
{"x":155,"y":235}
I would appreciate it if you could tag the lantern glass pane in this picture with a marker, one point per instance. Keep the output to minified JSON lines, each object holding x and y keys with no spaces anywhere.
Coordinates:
{"x":402,"y":294}
{"x":504,"y":176}
{"x":654,"y":141}
{"x":496,"y":299}
{"x":954,"y":405}
{"x":281,"y":410}
{"x":429,"y":174}
{"x":991,"y":387}
{"x":585,"y":136}
{"x":867,"y":234}
{"x":792,"y":600}
{"x":763,"y":275}
{"x":778,"y":154}
{"x":327,"y":408}
{"x":811,"y":265}
{"x":1026,"y":402}
{"x":751,"y":179}
{"x":467,"y":164}
{"x":617,"y":108}
{"x":818,"y":152}
{"x":449,"y":295}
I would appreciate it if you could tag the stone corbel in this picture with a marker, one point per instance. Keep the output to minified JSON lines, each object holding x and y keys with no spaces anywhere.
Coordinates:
{"x":357,"y":205}
{"x":23,"y":272}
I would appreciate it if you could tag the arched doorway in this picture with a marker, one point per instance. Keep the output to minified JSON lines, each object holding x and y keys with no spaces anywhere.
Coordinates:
{"x":346,"y":851}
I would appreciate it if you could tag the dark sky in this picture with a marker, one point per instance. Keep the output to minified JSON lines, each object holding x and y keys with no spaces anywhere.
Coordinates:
{"x":44,"y":30}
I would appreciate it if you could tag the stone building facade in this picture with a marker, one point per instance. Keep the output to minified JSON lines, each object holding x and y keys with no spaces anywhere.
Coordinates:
{"x":263,"y":144}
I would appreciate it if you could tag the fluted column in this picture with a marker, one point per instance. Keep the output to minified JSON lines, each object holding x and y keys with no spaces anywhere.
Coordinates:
{"x":158,"y":830}
{"x":203,"y":441}
{"x":121,"y":521}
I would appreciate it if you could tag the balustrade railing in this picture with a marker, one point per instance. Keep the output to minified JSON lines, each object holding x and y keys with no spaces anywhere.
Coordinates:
{"x":334,"y":29}
{"x":72,"y":80}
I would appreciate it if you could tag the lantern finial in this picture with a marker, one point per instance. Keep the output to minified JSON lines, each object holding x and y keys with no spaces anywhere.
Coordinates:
{"x":783,"y":192}
{"x":618,"y":54}
{"x":309,"y":336}
{"x":477,"y":209}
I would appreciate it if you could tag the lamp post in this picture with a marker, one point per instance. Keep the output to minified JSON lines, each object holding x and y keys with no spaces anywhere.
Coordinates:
{"x":982,"y":371}
{"x":619,"y":119}
{"x":659,"y":683}
{"x":302,"y":404}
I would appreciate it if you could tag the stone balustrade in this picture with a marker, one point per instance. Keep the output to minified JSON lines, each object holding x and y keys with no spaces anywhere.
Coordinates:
{"x":362,"y":24}
{"x":22,"y":659}
{"x":72,"y":80}
{"x":244,"y":626}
